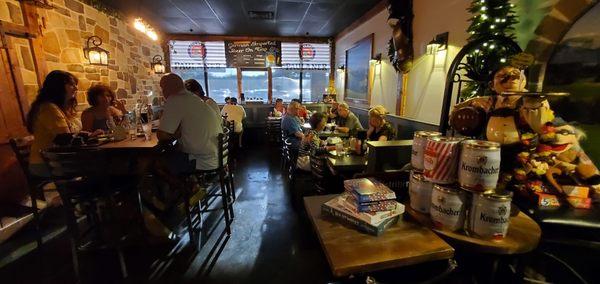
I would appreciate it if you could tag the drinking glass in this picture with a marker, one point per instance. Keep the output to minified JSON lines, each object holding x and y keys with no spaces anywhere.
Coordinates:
{"x":147,"y":128}
{"x":339,"y":148}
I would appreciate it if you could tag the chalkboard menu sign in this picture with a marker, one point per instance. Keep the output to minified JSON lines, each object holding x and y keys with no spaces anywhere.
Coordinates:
{"x":253,"y":53}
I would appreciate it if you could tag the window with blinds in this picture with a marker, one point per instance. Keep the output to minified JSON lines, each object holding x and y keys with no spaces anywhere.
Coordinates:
{"x":310,"y":56}
{"x":194,"y":54}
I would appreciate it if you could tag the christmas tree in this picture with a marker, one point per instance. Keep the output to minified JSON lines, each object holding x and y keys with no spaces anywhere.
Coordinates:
{"x":490,"y":17}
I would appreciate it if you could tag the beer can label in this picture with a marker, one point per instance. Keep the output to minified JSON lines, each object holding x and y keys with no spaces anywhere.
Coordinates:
{"x":447,"y":210}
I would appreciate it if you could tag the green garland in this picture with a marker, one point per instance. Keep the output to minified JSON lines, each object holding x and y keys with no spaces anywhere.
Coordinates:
{"x":103,"y":8}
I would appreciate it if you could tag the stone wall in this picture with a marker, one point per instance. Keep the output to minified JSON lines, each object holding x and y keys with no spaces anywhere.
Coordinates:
{"x":65,"y":31}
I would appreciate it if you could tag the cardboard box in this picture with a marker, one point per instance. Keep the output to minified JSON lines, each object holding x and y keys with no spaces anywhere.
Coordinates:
{"x":547,"y":200}
{"x":583,"y":203}
{"x":576,"y":191}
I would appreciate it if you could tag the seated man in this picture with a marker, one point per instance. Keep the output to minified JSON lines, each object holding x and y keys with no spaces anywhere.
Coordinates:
{"x":237,"y":114}
{"x":187,"y":118}
{"x":346,"y":121}
{"x":291,"y":126}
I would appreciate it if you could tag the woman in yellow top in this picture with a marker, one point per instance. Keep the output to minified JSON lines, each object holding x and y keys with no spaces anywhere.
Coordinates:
{"x":48,"y":116}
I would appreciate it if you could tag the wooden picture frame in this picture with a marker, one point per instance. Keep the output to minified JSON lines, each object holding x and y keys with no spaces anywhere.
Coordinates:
{"x":358,"y":72}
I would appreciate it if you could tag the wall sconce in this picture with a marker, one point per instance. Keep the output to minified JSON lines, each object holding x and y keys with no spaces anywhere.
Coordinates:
{"x":95,"y":54}
{"x":438,"y":43}
{"x":157,"y":65}
{"x":342,"y":68}
{"x":376,"y":59}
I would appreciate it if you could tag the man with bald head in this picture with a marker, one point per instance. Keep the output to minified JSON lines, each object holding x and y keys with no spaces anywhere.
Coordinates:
{"x":191,"y":121}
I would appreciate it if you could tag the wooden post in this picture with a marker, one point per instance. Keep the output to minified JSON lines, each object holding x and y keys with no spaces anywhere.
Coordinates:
{"x":270,"y":85}
{"x":239,"y":82}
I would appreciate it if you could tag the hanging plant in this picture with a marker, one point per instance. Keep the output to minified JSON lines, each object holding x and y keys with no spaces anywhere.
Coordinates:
{"x":103,"y":8}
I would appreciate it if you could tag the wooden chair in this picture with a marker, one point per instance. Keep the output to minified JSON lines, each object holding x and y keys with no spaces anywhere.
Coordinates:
{"x":285,"y":144}
{"x":320,"y":173}
{"x":273,"y":130}
{"x":225,"y":180}
{"x":22,"y":148}
{"x":83,"y":185}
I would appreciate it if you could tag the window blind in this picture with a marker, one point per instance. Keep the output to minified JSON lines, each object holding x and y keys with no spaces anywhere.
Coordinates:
{"x":194,"y":54}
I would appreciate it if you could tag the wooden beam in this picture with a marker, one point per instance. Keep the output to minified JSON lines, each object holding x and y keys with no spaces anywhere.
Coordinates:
{"x":270,"y":85}
{"x":382,"y":5}
{"x":39,"y":56}
{"x":244,"y":38}
{"x":13,"y":29}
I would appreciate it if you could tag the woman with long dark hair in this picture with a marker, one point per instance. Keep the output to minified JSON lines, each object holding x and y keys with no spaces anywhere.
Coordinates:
{"x":48,"y":115}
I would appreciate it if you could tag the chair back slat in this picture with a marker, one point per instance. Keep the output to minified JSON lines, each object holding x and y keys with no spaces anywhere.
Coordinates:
{"x":223,"y":141}
{"x":21,"y":146}
{"x":73,"y":163}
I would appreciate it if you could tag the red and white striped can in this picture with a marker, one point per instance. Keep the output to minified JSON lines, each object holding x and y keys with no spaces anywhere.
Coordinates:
{"x":441,"y":159}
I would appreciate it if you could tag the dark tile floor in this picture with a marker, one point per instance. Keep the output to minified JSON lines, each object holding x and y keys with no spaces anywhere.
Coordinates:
{"x":271,"y":242}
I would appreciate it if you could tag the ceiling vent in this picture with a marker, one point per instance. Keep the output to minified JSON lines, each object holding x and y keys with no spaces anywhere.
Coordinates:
{"x":260,"y":15}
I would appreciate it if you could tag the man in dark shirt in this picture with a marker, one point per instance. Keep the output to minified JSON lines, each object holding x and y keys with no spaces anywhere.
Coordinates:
{"x":346,"y":120}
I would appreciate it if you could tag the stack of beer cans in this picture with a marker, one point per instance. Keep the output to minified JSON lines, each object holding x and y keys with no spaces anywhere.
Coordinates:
{"x":454,"y":181}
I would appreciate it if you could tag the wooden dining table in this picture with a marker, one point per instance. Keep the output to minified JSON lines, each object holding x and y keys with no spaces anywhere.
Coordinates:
{"x":138,"y":144}
{"x":349,"y":251}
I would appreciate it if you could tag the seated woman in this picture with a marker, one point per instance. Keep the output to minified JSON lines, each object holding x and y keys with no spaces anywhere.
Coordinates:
{"x":311,"y":143}
{"x":379,"y":128}
{"x":279,"y":109}
{"x":98,"y":116}
{"x":47,"y":116}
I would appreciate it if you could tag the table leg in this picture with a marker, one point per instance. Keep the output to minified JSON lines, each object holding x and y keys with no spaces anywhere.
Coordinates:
{"x":494,"y":270}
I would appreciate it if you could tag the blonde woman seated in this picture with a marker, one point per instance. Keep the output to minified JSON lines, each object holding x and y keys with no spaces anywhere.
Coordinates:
{"x":379,"y":128}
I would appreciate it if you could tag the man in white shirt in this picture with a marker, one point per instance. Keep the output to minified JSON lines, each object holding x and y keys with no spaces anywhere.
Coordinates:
{"x":187,"y":118}
{"x":235,"y":113}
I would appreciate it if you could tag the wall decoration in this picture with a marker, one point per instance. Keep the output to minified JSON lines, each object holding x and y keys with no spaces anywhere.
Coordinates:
{"x":400,"y":50}
{"x":356,"y":86}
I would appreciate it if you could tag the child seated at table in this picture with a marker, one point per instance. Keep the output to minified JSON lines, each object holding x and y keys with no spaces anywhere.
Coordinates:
{"x":98,"y":116}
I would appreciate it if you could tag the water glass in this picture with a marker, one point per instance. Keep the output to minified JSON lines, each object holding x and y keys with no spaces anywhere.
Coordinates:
{"x":147,"y":128}
{"x":339,"y":148}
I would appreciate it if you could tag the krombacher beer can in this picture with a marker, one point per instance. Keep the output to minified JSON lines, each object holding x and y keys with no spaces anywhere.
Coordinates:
{"x":479,"y":165}
{"x":489,"y":215}
{"x":447,"y":207}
